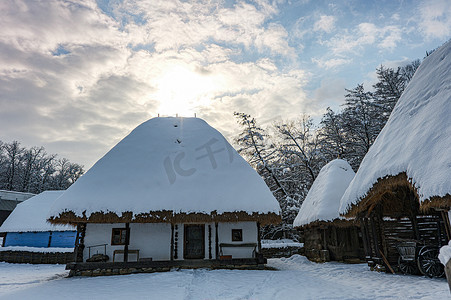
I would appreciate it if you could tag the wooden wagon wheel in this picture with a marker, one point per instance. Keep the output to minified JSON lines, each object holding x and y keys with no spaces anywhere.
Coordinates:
{"x":407,"y":267}
{"x":428,"y":262}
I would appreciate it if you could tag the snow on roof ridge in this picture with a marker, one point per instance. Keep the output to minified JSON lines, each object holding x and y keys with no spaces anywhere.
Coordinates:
{"x":416,"y":139}
{"x":167,"y":166}
{"x":323,"y":199}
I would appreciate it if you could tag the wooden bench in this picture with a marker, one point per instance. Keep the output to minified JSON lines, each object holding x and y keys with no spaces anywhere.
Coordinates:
{"x":238,"y":245}
{"x":123,"y":252}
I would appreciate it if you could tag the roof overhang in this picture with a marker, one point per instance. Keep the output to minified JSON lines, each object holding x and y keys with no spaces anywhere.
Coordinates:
{"x":385,"y":188}
{"x":70,"y":217}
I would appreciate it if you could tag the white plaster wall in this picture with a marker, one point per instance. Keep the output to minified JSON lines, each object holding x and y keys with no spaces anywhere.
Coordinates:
{"x":151,"y":239}
{"x":97,"y":234}
{"x":249,"y":236}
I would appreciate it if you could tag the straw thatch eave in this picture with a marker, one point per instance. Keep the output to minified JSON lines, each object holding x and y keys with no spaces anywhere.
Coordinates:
{"x":382,"y":188}
{"x":334,"y":223}
{"x":440,"y":203}
{"x":69,"y":217}
{"x":386,"y":188}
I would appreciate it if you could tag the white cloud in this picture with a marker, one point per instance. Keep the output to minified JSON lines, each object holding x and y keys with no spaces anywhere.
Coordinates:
{"x":435,"y":18}
{"x":325,"y":23}
{"x":385,"y":37}
{"x":76,"y":80}
{"x":331,"y":63}
{"x":395,"y":17}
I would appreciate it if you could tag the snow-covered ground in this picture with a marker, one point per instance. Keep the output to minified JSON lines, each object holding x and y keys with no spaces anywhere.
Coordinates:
{"x":295,"y":278}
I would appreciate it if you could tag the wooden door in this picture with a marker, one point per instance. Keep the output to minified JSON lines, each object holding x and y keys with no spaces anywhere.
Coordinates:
{"x":194,"y":241}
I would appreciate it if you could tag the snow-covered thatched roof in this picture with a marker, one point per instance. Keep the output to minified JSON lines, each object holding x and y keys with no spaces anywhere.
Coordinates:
{"x":414,"y":147}
{"x":323,"y":199}
{"x":31,"y":215}
{"x":167,"y":170}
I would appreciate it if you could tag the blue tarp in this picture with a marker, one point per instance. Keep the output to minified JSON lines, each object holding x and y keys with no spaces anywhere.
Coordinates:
{"x":63,"y":239}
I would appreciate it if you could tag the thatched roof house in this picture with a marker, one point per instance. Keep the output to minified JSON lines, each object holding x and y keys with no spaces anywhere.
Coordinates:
{"x":323,"y":199}
{"x":169,"y":170}
{"x":407,"y":171}
{"x":413,"y":149}
{"x":327,"y":235}
{"x":171,"y":180}
{"x":27,"y":225}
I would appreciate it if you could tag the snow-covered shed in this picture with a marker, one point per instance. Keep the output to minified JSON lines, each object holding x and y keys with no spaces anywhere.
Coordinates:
{"x":27,"y":225}
{"x":327,"y":235}
{"x":9,"y":201}
{"x":407,"y":170}
{"x":173,"y":189}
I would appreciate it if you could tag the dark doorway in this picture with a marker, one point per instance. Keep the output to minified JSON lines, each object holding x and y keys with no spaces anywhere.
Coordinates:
{"x":194,"y":242}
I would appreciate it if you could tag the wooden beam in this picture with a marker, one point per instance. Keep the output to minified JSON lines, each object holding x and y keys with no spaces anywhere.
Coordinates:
{"x":386,"y":262}
{"x":127,"y":241}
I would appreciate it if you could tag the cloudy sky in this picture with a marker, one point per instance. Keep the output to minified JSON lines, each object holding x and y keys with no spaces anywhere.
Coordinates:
{"x":77,"y":76}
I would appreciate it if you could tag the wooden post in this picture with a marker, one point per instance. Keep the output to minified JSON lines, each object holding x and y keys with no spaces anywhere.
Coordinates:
{"x":259,"y":240}
{"x":50,"y":240}
{"x":366,"y":244}
{"x":382,"y":233}
{"x":209,"y":241}
{"x":127,"y":241}
{"x":447,"y":224}
{"x":172,"y":242}
{"x":375,"y":239}
{"x":413,"y":216}
{"x":80,"y":242}
{"x":216,"y":241}
{"x":77,"y":237}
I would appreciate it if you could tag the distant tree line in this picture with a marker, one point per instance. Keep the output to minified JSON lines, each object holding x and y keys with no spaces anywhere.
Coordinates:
{"x":290,"y":154}
{"x":33,"y":170}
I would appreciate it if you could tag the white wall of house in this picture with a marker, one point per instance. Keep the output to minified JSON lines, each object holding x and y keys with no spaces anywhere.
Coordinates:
{"x":153,"y":240}
{"x":249,"y":236}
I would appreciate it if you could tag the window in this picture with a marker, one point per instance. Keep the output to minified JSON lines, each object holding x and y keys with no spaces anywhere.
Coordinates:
{"x":118,"y":236}
{"x":237,"y":235}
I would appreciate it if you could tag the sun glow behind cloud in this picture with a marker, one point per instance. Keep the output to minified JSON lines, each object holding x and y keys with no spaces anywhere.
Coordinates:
{"x":181,"y":90}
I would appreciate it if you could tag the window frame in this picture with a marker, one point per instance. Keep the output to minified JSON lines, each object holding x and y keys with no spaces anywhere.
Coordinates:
{"x":122,"y":235}
{"x":236,"y":232}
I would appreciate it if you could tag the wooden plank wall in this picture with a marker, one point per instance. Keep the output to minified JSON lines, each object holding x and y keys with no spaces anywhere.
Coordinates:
{"x":432,"y":229}
{"x":393,"y":231}
{"x":431,"y":232}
